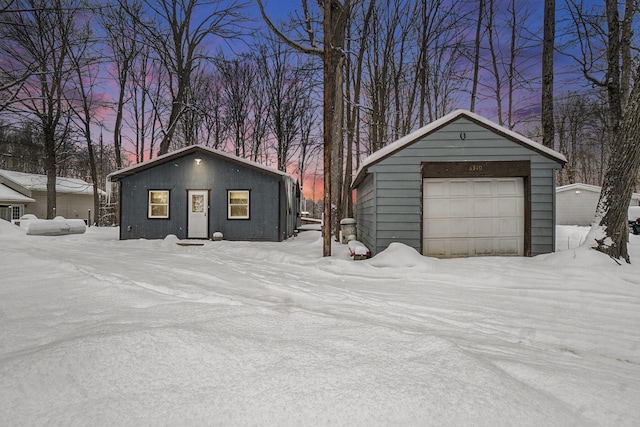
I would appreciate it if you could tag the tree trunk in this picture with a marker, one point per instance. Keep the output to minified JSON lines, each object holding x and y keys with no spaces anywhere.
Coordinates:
{"x":50,"y":167}
{"x":476,"y":56}
{"x":620,"y":182}
{"x":548,"y":130}
{"x":334,"y":25}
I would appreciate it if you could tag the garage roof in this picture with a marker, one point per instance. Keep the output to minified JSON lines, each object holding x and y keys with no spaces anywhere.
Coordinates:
{"x":7,"y":195}
{"x":449,"y":118}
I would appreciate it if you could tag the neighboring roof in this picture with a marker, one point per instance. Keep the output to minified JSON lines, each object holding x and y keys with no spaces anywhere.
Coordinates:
{"x":115,"y":176}
{"x":7,"y":195}
{"x":35,"y":182}
{"x":449,"y":118}
{"x":579,"y":186}
{"x":588,"y":187}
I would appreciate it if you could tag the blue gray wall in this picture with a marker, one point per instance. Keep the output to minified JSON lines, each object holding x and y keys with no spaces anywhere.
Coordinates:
{"x":268,"y":209}
{"x":389,"y":199}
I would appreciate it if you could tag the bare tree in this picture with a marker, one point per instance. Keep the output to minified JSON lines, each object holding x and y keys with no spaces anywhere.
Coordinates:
{"x":334,"y":21}
{"x":604,"y":39}
{"x":476,"y":55}
{"x":238,"y":75}
{"x":178,"y":37}
{"x":287,"y":86}
{"x":38,"y":37}
{"x":547,"y":72}
{"x":357,"y":38}
{"x":215,"y":121}
{"x":83,"y":100}
{"x":121,"y":24}
{"x":576,"y":123}
{"x":309,"y":145}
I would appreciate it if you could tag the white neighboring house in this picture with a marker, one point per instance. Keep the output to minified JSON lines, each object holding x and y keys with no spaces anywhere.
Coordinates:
{"x":26,"y":193}
{"x":576,"y":203}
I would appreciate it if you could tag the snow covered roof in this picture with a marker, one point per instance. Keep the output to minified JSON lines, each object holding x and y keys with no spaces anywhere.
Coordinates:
{"x":115,"y":176}
{"x":35,"y":182}
{"x":451,"y":117}
{"x":8,"y":195}
{"x":578,"y":186}
{"x":587,"y":187}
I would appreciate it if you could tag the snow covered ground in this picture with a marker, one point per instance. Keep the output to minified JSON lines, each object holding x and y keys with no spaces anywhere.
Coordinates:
{"x":97,"y":331}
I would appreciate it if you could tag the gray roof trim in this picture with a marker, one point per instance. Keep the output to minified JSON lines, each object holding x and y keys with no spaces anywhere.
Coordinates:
{"x":118,"y":175}
{"x":413,"y":137}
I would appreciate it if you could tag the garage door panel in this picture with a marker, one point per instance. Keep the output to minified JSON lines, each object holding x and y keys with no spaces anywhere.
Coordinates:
{"x":473,"y":217}
{"x":483,"y":247}
{"x":458,"y":189}
{"x":509,"y":226}
{"x":438,"y":247}
{"x":460,"y":227}
{"x":484,"y":227}
{"x":481,"y":188}
{"x":510,"y":246}
{"x":437,"y":208}
{"x":459,"y":208}
{"x":482,"y":208}
{"x":511,"y":207}
{"x":459,"y":248}
{"x":436,"y":228}
{"x":434,"y":189}
{"x":507,"y":188}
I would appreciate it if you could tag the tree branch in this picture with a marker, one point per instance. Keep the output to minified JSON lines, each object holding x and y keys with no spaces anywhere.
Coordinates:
{"x":313,"y":50}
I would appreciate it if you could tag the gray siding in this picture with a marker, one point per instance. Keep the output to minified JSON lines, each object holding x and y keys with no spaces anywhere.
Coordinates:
{"x":268,"y":216}
{"x":395,"y":214}
{"x":365,"y":212}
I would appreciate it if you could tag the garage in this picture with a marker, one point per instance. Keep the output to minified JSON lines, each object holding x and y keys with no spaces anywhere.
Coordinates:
{"x":473,"y":217}
{"x":461,"y":186}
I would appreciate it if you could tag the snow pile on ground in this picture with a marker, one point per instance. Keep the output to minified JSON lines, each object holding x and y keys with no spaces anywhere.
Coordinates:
{"x":98,"y":331}
{"x":58,"y":226}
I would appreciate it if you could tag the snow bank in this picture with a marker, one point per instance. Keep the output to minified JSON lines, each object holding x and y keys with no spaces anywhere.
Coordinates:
{"x":98,"y":330}
{"x":9,"y":229}
{"x":56,"y":227}
{"x":399,"y":255}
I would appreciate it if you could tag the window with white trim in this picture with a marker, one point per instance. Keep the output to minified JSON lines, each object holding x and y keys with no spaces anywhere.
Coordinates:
{"x":238,"y":204}
{"x":158,"y":203}
{"x":16,"y":212}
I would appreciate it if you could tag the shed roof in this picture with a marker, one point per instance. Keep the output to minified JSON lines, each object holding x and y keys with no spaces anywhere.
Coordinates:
{"x":8,"y":195}
{"x":116,"y":176}
{"x":445,"y":120}
{"x":36,"y":182}
{"x":587,"y":187}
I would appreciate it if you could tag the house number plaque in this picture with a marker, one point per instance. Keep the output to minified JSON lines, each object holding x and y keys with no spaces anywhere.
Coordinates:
{"x":475,"y":167}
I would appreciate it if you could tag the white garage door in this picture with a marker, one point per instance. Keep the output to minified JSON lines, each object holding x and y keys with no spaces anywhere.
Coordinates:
{"x":473,"y":217}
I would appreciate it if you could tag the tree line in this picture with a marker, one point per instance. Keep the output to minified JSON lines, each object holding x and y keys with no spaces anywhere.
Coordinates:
{"x":123,"y":81}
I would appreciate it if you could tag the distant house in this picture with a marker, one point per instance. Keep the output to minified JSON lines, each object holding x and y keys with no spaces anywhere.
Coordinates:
{"x":460,"y":186}
{"x":577,"y":203}
{"x":197,"y":191}
{"x":26,"y":193}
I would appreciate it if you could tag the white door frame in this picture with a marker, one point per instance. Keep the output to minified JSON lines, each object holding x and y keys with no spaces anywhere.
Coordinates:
{"x":197,"y":214}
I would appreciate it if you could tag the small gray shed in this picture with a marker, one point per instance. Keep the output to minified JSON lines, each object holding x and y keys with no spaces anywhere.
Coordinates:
{"x":460,"y":186}
{"x":197,"y":191}
{"x":577,"y":203}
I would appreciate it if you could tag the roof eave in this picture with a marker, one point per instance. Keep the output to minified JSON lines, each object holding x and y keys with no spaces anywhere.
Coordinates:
{"x":122,"y":173}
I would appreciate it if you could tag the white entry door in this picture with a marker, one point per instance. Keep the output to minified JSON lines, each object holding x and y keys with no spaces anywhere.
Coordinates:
{"x":473,"y":217}
{"x":198,"y":223}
